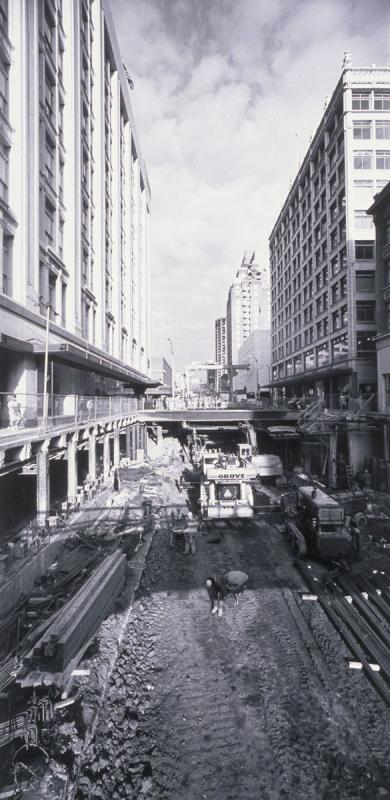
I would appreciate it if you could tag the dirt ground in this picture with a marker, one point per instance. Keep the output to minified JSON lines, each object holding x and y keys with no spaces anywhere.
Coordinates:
{"x":257,"y":705}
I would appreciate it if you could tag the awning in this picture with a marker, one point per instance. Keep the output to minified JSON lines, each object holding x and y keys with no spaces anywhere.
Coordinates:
{"x":282,"y":432}
{"x":110,"y":367}
{"x":311,"y":376}
{"x":16,"y":345}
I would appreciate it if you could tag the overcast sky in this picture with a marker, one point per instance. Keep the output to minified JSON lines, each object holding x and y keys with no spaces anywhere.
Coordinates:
{"x":226,"y":95}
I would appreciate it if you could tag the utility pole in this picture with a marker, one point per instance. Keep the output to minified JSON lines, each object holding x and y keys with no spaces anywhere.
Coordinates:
{"x":173,"y":369}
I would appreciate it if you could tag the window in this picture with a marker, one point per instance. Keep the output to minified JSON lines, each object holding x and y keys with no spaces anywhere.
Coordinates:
{"x":365,"y":281}
{"x":387,"y":316}
{"x":63,"y":305}
{"x":61,"y":238}
{"x":336,"y":325}
{"x":309,"y":359}
{"x":382,"y":129}
{"x":362,"y":220}
{"x":362,"y":129}
{"x":49,"y":224}
{"x":340,"y":347}
{"x":365,"y":311}
{"x":49,"y":96}
{"x":322,"y":355}
{"x":362,"y":159}
{"x":382,"y":101}
{"x":49,"y":29}
{"x":4,"y":88}
{"x":297,"y":364}
{"x":49,"y":159}
{"x":52,"y":294}
{"x":335,"y":293}
{"x":7,"y":265}
{"x":383,"y":159}
{"x":364,"y":250}
{"x":85,"y":312}
{"x":360,"y":101}
{"x":4,"y":175}
{"x":364,"y":183}
{"x":365,"y":341}
{"x":4,"y":15}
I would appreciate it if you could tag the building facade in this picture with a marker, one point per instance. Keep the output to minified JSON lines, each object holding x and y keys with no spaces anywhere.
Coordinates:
{"x":74,"y":253}
{"x":74,"y":203}
{"x":255,"y":351}
{"x":322,"y":247}
{"x":247,"y":306}
{"x":380,"y":211}
{"x":220,"y":341}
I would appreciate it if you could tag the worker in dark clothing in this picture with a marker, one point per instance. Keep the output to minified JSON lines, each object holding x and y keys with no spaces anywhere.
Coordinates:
{"x":220,"y":587}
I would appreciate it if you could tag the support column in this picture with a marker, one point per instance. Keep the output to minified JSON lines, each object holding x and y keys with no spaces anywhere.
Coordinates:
{"x":333,"y":460}
{"x":145,"y":437}
{"x":106,"y":457}
{"x":128,"y":442}
{"x":72,"y":468}
{"x":117,"y":454}
{"x":386,"y":442}
{"x":43,"y":485}
{"x":92,"y":455}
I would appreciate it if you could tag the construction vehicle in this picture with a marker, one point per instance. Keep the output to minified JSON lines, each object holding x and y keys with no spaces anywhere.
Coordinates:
{"x":268,"y":467}
{"x":319,"y":526}
{"x":226,"y":491}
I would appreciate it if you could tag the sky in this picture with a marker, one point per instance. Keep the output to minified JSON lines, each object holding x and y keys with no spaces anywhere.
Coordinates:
{"x":226,"y":96}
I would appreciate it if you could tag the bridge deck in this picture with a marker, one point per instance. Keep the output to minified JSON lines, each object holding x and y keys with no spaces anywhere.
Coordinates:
{"x":263,"y":416}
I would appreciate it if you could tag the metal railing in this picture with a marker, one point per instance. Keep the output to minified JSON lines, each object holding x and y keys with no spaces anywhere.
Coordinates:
{"x":340,"y":402}
{"x":25,"y":411}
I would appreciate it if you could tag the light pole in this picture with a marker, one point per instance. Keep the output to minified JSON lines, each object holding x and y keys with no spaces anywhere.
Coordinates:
{"x":173,"y":369}
{"x":45,"y":372}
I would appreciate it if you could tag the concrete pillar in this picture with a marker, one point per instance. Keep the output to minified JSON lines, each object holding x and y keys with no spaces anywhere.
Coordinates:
{"x":134,"y":441}
{"x":333,"y":460}
{"x":386,"y":441}
{"x":117,"y":454}
{"x":43,"y":486}
{"x":106,"y":457}
{"x":145,"y":444}
{"x":92,"y":455}
{"x":128,"y":442}
{"x":72,"y":469}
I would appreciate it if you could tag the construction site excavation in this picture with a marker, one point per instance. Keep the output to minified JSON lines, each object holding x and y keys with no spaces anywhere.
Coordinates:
{"x":205,"y":625}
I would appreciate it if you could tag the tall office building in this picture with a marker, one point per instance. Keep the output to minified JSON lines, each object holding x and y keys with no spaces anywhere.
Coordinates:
{"x":322,"y":246}
{"x":220,"y":340}
{"x":247,"y":306}
{"x":74,"y":203}
{"x":74,"y":253}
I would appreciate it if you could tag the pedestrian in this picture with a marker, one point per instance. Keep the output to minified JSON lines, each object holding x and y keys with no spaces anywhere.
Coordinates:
{"x":90,"y":405}
{"x":220,"y":587}
{"x":14,"y":412}
{"x":115,"y":479}
{"x":366,"y":479}
{"x":190,"y":532}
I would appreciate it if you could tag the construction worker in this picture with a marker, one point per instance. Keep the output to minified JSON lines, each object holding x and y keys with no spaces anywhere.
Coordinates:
{"x":220,"y":587}
{"x":190,"y":531}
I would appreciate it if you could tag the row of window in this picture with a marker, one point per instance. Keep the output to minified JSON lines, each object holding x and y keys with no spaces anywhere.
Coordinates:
{"x":366,"y":100}
{"x":364,"y":128}
{"x":323,"y":354}
{"x":367,"y":159}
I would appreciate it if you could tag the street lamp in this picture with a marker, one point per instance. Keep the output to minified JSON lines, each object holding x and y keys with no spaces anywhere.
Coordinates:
{"x":173,"y":368}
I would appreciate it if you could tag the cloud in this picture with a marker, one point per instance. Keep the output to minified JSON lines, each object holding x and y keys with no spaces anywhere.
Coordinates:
{"x":226,"y":95}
